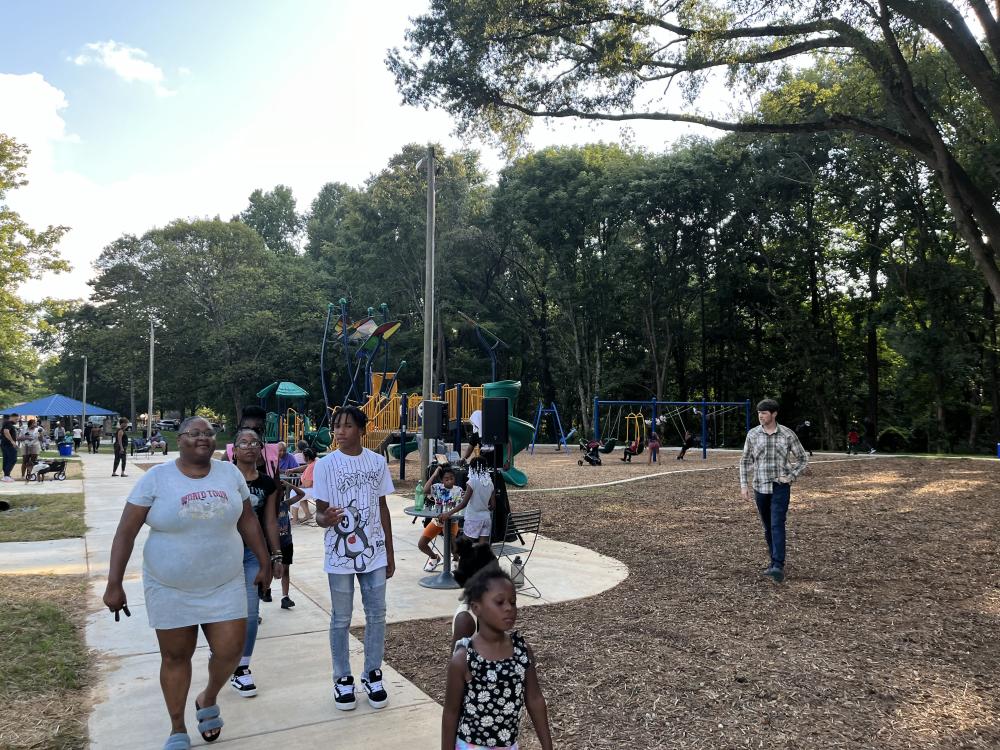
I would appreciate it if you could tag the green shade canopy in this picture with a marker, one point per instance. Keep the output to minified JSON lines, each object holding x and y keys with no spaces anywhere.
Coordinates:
{"x":284,"y":389}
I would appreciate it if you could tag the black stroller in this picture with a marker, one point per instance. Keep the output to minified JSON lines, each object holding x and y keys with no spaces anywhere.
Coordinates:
{"x":57,"y":469}
{"x":594,"y":449}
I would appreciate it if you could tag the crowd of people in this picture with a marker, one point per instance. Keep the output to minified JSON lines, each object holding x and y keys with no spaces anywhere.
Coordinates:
{"x":221,"y":533}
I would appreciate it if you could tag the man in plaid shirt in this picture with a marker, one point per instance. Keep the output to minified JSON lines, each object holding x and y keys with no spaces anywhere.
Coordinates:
{"x":776,"y":457}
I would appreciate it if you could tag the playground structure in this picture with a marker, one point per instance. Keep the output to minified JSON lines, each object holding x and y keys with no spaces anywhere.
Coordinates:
{"x":551,"y":411}
{"x":288,"y":424}
{"x":709,"y":416}
{"x":394,"y":421}
{"x":393,"y":417}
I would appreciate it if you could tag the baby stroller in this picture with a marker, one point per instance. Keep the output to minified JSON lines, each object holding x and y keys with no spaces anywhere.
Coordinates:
{"x":594,"y":449}
{"x":56,"y":468}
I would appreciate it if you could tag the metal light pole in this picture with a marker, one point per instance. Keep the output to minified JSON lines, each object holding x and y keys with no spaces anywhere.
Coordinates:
{"x":149,"y":411}
{"x":428,"y":386}
{"x":83,"y":408}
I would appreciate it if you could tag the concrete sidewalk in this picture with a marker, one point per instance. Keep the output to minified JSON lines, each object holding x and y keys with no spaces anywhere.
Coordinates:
{"x":291,"y":662}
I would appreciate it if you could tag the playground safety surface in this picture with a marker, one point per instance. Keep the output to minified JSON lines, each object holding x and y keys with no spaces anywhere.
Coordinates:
{"x":883,"y":635}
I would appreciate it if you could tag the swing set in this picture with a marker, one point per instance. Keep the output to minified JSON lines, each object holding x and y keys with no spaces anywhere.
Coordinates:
{"x":710,"y":416}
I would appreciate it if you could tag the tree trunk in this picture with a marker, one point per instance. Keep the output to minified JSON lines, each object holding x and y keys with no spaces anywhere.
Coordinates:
{"x":873,"y":240}
{"x":992,"y":366}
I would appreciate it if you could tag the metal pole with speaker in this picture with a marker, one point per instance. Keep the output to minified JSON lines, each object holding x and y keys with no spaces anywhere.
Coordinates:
{"x":494,"y":435}
{"x":435,"y":427}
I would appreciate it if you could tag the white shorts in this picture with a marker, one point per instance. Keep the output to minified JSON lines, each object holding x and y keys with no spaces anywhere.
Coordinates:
{"x":477,"y":528}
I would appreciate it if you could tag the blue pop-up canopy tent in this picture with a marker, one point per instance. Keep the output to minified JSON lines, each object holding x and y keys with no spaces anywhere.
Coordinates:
{"x":56,"y":405}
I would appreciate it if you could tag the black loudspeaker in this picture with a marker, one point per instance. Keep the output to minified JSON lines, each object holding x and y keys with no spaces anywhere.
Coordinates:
{"x":435,"y":419}
{"x":495,"y":422}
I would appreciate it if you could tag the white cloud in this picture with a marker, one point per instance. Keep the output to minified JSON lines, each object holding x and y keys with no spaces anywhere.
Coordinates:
{"x":128,"y":63}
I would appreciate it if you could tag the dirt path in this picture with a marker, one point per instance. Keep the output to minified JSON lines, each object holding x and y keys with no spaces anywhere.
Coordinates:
{"x":884,"y":635}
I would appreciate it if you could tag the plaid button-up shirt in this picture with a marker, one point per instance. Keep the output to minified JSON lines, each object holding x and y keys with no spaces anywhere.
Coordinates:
{"x":771,"y":456}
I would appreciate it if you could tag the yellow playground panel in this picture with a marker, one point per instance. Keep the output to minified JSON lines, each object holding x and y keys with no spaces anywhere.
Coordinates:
{"x":378,"y":379}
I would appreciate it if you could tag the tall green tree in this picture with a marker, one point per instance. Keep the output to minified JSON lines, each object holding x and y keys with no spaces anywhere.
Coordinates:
{"x":495,"y":64}
{"x":272,"y":214}
{"x":25,"y":253}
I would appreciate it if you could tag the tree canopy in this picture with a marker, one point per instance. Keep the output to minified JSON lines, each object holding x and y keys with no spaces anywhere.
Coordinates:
{"x":919,"y":75}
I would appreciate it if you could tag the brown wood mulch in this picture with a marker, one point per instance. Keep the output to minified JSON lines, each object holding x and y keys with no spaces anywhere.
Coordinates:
{"x":885,"y":634}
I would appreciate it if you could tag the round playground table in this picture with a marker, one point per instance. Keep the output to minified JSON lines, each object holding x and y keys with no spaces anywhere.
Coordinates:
{"x":444,"y":579}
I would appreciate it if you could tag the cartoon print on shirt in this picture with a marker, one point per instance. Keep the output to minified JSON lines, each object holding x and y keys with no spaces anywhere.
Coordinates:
{"x":352,"y":541}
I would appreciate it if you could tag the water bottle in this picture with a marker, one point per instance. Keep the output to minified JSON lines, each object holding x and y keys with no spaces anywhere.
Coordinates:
{"x":517,"y":572}
{"x":418,"y":497}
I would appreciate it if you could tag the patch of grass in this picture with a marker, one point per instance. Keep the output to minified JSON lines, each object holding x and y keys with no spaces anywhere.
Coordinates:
{"x":43,"y":700}
{"x":58,"y":516}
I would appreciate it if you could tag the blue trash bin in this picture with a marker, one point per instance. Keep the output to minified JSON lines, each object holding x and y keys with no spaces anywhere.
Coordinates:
{"x":998,"y":450}
{"x":65,"y":449}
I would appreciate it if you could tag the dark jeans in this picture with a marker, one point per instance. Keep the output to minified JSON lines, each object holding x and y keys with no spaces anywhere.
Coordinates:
{"x":119,"y":456}
{"x":773,"y":508}
{"x":9,"y":458}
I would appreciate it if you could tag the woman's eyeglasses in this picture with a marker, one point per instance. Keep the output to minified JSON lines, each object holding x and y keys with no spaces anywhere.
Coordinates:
{"x":195,"y":434}
{"x":248,"y":444}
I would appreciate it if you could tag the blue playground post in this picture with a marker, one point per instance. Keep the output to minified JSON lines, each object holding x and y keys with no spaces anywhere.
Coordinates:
{"x":704,"y":430}
{"x":542,"y":412}
{"x":748,"y":415}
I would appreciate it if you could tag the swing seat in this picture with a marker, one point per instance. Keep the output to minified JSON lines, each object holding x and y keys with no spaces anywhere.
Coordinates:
{"x":608,"y":446}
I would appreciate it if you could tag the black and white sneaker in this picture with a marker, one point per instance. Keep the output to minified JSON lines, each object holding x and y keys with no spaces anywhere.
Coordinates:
{"x":343,"y":694}
{"x":242,"y":682}
{"x":377,"y":697}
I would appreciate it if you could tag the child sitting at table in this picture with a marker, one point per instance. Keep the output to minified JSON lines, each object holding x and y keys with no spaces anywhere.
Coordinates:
{"x":446,"y":492}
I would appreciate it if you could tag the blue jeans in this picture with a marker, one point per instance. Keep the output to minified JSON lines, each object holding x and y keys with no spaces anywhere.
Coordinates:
{"x":251,"y":565}
{"x":342,"y":607}
{"x":773,"y":508}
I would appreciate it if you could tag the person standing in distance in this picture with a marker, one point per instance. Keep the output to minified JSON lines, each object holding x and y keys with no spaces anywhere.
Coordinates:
{"x":776,"y":457}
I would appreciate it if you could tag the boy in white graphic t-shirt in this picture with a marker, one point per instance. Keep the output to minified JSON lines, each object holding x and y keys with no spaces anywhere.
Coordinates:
{"x":350,"y":486}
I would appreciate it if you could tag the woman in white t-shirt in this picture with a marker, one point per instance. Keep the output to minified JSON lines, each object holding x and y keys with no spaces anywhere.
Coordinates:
{"x":199,"y":515}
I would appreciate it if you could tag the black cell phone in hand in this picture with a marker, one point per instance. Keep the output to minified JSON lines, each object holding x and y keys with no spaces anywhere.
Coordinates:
{"x":264,"y":594}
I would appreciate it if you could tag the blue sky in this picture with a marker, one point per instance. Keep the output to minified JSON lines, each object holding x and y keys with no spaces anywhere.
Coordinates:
{"x":139,"y":113}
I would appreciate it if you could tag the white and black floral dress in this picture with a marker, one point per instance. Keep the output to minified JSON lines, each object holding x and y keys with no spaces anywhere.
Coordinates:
{"x":494,"y":697}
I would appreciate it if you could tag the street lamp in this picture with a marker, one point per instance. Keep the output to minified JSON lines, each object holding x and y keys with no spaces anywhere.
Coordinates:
{"x":429,"y":162}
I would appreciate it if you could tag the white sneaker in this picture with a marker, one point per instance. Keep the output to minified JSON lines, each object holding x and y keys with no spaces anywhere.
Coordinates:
{"x":7,"y":479}
{"x":431,"y":565}
{"x":242,"y":682}
{"x":343,"y":694}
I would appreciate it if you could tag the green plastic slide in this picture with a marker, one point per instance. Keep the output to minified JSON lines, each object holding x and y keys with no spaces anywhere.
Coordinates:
{"x":518,"y":430}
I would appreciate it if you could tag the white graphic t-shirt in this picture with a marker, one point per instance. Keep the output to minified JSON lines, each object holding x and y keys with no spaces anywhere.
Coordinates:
{"x":354,"y":483}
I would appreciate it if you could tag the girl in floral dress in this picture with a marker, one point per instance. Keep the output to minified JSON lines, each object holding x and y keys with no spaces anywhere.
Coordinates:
{"x":491,"y":676}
